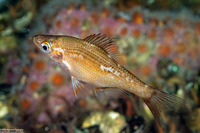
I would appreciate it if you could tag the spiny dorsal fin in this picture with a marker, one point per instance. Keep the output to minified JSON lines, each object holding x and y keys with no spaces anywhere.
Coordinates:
{"x":106,"y":43}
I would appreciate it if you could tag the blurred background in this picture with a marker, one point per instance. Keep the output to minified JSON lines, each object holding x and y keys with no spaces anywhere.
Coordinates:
{"x":158,"y":39}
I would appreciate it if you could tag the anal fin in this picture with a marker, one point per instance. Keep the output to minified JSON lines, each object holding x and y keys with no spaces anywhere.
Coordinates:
{"x":107,"y":92}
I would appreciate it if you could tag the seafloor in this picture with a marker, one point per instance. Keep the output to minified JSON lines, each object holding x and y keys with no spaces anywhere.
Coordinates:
{"x":158,"y":39}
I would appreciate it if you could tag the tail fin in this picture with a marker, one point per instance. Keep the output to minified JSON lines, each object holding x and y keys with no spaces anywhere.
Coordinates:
{"x":161,"y":101}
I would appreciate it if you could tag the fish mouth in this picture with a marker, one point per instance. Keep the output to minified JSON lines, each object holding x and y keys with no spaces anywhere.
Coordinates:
{"x":36,"y":40}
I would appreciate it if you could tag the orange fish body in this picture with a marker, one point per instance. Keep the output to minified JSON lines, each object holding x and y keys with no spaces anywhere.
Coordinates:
{"x":93,"y":63}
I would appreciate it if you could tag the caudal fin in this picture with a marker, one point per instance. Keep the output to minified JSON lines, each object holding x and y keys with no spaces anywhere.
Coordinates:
{"x":161,"y":101}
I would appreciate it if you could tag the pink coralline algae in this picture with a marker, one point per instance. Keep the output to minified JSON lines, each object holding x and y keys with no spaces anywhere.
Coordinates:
{"x":12,"y":73}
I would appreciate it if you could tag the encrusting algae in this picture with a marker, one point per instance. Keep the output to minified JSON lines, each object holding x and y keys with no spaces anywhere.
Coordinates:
{"x":94,"y":63}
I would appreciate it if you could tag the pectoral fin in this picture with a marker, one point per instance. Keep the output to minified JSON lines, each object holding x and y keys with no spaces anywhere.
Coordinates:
{"x":80,"y":88}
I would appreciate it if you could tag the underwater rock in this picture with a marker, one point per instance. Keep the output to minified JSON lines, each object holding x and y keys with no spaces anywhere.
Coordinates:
{"x":109,"y":122}
{"x":5,"y":89}
{"x":166,"y":68}
{"x":3,"y":110}
{"x":92,"y":129}
{"x":8,"y":43}
{"x":17,"y":17}
{"x":135,"y":124}
{"x":193,"y":120}
{"x":4,"y":4}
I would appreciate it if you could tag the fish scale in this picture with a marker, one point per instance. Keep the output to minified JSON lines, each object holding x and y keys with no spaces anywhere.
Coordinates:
{"x":92,"y":58}
{"x":94,"y":63}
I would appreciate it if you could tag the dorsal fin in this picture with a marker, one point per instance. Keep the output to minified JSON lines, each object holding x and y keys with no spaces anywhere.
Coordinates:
{"x":107,"y":44}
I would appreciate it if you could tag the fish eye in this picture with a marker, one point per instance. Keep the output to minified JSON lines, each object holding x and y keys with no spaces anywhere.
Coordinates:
{"x":46,"y":47}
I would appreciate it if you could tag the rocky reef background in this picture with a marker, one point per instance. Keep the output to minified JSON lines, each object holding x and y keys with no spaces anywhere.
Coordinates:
{"x":158,"y":39}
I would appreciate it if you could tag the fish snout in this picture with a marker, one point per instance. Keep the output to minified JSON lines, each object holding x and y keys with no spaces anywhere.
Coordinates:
{"x":36,"y":40}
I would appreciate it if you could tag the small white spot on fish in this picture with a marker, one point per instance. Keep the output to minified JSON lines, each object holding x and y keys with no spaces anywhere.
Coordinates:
{"x":116,"y":73}
{"x":131,"y":81}
{"x":76,"y":55}
{"x":127,"y":79}
{"x":146,"y":86}
{"x":80,"y":56}
{"x":109,"y":69}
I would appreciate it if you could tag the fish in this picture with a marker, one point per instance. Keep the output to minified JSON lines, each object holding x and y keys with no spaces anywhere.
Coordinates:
{"x":95,"y":63}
